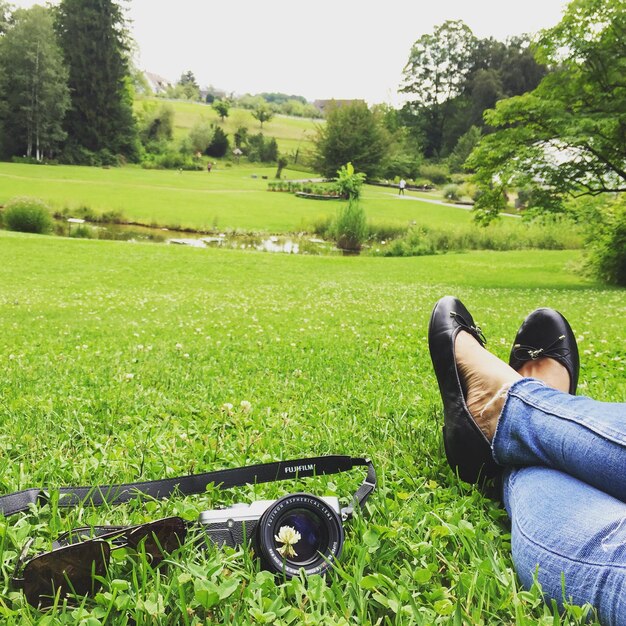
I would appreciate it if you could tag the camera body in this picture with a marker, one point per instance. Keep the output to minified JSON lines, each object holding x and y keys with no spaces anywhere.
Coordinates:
{"x":314,"y":522}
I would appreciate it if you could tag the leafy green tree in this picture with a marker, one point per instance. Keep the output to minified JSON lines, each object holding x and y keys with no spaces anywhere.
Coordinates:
{"x":5,"y":16}
{"x":281,"y":98}
{"x":188,"y":88}
{"x":452,"y":77}
{"x":222,"y":107}
{"x":568,"y":136}
{"x":157,"y":126}
{"x":262,"y":113}
{"x":352,"y":133}
{"x":261,"y":149}
{"x":436,"y":73}
{"x":250,"y":102}
{"x":241,"y":137}
{"x":282,"y":164}
{"x":200,"y":136}
{"x":35,"y":83}
{"x":293,"y":107}
{"x":95,"y":46}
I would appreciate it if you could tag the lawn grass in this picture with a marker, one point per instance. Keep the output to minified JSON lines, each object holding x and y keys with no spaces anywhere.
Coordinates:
{"x":229,"y":198}
{"x":291,"y":133}
{"x":119,"y":362}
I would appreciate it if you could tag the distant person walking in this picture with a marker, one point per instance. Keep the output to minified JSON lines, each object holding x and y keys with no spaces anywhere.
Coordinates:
{"x":401,"y":187}
{"x":209,"y":165}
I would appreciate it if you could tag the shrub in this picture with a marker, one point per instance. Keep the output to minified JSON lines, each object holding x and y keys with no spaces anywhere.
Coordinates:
{"x":415,"y":243}
{"x":201,"y":135}
{"x":81,"y":232}
{"x":323,"y":226}
{"x":261,"y":149}
{"x":350,"y":227}
{"x":348,"y":182}
{"x":171,"y":160}
{"x":556,"y":234}
{"x":452,"y":192}
{"x":282,"y":164}
{"x":219,"y":144}
{"x":607,"y":243}
{"x":437,"y":174}
{"x":384,"y":231}
{"x":28,"y":215}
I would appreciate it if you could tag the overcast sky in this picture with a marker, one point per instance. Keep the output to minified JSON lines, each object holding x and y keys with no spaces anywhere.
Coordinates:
{"x":314,"y":48}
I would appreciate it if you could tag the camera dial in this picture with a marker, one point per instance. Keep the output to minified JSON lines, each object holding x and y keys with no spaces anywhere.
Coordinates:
{"x":299,"y":531}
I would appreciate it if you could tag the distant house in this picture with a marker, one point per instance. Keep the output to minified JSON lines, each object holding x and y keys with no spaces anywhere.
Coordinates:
{"x":157,"y":83}
{"x":323,"y":106}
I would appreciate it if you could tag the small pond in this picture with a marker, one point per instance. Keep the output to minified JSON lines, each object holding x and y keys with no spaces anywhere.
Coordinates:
{"x":287,"y":244}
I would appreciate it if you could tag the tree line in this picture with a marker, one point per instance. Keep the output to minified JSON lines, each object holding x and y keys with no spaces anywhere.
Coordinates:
{"x":64,"y":83}
{"x":187,"y":88}
{"x":450,"y":79}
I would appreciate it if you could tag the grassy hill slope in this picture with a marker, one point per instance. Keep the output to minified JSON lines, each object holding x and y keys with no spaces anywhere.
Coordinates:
{"x":291,"y":133}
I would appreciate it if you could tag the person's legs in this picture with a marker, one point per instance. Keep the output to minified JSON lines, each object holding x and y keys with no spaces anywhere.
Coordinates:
{"x":563,"y":528}
{"x":537,"y":425}
{"x":582,"y":437}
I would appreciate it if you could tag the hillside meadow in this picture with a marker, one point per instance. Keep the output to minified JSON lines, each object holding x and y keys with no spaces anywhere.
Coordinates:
{"x":291,"y":133}
{"x":125,"y":362}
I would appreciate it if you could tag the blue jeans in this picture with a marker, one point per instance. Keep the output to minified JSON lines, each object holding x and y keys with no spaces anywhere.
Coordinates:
{"x":565,"y":492}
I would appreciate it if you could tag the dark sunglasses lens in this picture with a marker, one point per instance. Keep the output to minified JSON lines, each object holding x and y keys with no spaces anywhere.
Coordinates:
{"x":70,"y":570}
{"x":158,"y":538}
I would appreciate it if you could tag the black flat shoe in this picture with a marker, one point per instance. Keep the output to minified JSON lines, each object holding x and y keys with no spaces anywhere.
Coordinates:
{"x":467,"y":448}
{"x":546,"y":333}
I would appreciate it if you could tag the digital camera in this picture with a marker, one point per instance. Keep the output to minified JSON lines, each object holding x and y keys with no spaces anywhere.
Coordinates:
{"x":297,"y":532}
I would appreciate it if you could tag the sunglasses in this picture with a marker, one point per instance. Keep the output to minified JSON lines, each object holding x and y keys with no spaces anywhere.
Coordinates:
{"x":75,"y":566}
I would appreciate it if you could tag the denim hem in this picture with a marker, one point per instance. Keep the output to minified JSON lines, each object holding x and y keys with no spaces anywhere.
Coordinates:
{"x":503,"y":414}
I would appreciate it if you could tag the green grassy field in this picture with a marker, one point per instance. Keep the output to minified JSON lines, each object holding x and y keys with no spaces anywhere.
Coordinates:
{"x":291,"y":133}
{"x":230,"y":199}
{"x":119,"y":362}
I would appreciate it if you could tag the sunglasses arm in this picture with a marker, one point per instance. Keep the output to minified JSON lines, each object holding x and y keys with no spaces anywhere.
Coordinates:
{"x":76,"y":535}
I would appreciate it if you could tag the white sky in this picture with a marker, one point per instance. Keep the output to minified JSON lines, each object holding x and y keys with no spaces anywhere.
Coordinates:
{"x":315,"y":48}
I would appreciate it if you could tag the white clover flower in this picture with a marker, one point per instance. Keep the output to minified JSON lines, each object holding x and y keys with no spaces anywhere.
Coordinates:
{"x":246,"y":407}
{"x":179,"y":346}
{"x":227,"y":407}
{"x":129,"y":376}
{"x":289,"y":537}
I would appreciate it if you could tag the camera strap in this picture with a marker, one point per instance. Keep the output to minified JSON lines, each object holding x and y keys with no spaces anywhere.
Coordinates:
{"x":197,"y":483}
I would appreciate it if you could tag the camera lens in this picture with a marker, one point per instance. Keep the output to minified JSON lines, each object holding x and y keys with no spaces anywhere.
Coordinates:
{"x":299,"y":531}
{"x":312,"y":531}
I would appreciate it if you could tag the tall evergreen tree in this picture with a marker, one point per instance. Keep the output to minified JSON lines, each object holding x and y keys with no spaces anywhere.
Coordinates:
{"x":94,"y":41}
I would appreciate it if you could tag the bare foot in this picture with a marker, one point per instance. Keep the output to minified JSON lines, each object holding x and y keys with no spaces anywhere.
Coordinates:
{"x":486,"y":378}
{"x":547,"y":370}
